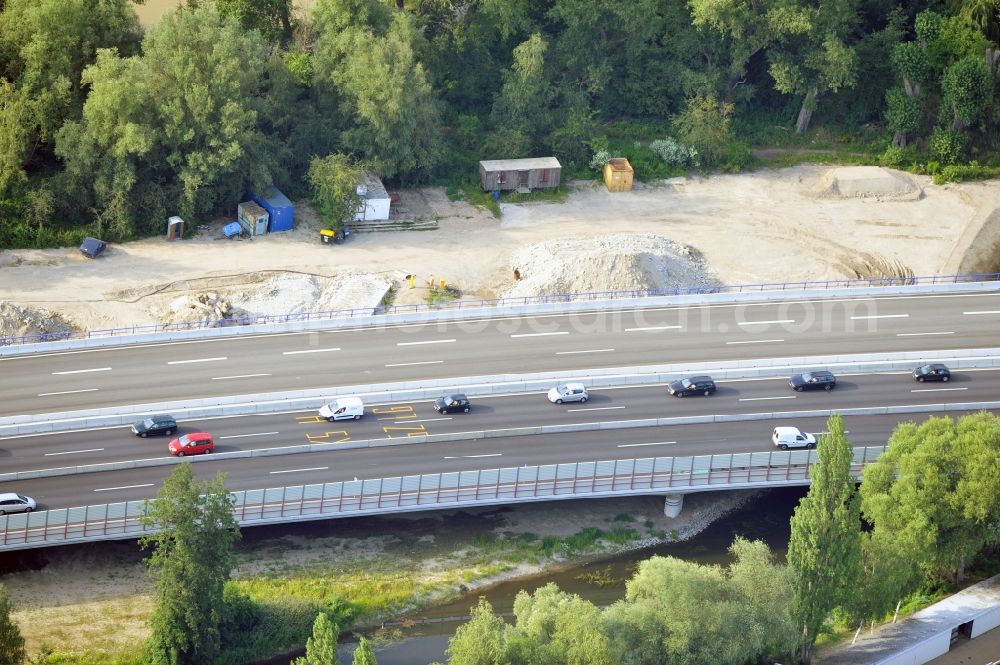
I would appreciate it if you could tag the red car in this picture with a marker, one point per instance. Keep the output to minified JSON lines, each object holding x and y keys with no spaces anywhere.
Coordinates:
{"x":192,"y":444}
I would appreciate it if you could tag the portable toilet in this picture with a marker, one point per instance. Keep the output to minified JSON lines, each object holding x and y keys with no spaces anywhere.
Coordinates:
{"x":252,"y":218}
{"x":279,"y":208}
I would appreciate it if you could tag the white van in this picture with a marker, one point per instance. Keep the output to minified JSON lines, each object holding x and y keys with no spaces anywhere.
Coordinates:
{"x":343,"y":408}
{"x":792,"y":437}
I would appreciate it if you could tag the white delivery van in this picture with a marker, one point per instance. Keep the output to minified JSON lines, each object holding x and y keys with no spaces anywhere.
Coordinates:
{"x":343,"y":408}
{"x":792,"y":437}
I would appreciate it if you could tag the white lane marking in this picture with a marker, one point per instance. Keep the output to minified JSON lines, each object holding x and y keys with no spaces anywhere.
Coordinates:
{"x":238,"y":376}
{"x":596,"y":408}
{"x":196,"y":360}
{"x":759,"y":399}
{"x":400,"y":326}
{"x":570,"y":353}
{"x":423,"y":362}
{"x":423,"y":420}
{"x":952,"y":332}
{"x":83,"y":371}
{"x":240,"y":436}
{"x":546,"y":334}
{"x":474,"y":456}
{"x":653,"y":328}
{"x":982,"y":311}
{"x":757,"y":341}
{"x":124,"y":487}
{"x":636,"y":445}
{"x":70,"y":392}
{"x":881,"y":316}
{"x":764,"y":323}
{"x":295,"y":353}
{"x":313,"y":468}
{"x":426,"y":341}
{"x":935,"y":390}
{"x":73,"y":452}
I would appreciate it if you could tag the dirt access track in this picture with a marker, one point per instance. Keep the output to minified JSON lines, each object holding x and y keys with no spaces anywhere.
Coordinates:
{"x":802,"y":223}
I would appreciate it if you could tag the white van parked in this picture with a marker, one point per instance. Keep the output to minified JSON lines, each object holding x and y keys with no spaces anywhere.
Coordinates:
{"x":792,"y":437}
{"x":343,"y":408}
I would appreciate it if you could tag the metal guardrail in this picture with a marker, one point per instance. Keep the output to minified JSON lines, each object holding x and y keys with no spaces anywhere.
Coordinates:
{"x":435,"y":491}
{"x":497,"y":302}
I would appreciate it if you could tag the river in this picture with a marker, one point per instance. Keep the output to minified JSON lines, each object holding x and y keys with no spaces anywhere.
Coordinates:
{"x":422,"y":637}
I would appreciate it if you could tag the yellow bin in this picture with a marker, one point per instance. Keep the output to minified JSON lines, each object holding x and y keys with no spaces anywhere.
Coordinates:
{"x":326,"y":235}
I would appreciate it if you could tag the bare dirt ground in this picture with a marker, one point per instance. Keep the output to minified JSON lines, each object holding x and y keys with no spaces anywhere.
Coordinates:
{"x":783,"y":225}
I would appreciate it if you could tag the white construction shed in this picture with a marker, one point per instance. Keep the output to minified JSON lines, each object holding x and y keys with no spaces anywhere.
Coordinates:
{"x":374,"y":200}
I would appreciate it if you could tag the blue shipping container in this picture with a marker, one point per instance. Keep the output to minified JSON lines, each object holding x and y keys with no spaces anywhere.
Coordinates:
{"x":281,"y":210}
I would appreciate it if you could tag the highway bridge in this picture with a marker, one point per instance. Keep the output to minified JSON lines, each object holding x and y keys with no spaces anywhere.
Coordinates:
{"x":92,"y":378}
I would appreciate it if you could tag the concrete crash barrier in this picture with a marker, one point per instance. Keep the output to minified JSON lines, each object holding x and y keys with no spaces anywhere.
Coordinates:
{"x":573,"y":303}
{"x":490,"y":434}
{"x":479,"y":386}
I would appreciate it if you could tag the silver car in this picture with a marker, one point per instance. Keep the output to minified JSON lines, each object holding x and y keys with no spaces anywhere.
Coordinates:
{"x":15,"y":503}
{"x":568,"y":392}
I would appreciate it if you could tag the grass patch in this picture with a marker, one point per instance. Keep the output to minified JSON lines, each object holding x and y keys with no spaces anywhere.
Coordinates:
{"x":473,"y":193}
{"x":624,"y":517}
{"x":554,"y":195}
{"x":447,"y":294}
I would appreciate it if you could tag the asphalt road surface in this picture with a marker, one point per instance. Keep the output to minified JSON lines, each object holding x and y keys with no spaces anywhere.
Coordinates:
{"x":400,"y":420}
{"x":414,"y":458}
{"x":74,"y":380}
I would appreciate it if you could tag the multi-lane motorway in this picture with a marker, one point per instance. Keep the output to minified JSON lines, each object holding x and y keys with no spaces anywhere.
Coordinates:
{"x":75,"y":380}
{"x":398,"y":421}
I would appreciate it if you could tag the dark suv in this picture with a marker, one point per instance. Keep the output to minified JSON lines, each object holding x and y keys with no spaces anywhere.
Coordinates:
{"x":155,"y":426}
{"x":693,"y":385}
{"x":452,"y":403}
{"x":815,"y":380}
{"x":933,"y":372}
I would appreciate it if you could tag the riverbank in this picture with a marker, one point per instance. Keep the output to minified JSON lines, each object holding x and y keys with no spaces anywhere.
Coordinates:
{"x":90,"y":604}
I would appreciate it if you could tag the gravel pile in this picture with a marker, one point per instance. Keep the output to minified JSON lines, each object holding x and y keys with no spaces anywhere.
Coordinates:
{"x":619,"y":262}
{"x":869,"y":182}
{"x":17,"y":321}
{"x":271,"y":293}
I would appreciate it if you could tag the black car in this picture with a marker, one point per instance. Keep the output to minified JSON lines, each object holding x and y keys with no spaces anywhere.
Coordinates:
{"x":933,"y":372}
{"x":816,"y":380}
{"x":452,"y":403}
{"x":155,"y":426}
{"x":693,"y":385}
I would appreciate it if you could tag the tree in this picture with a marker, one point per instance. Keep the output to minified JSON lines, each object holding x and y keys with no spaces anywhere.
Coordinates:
{"x":927,"y":494}
{"x":750,"y":27}
{"x":11,"y":643}
{"x":368,"y":54}
{"x":363,"y":654}
{"x":482,"y":640}
{"x":191,"y":560}
{"x":321,"y":648}
{"x":704,"y":126}
{"x":334,"y":180}
{"x":824,"y":548}
{"x":967,"y":86}
{"x":272,"y":18}
{"x":521,"y":113}
{"x":552,"y":626}
{"x":175,"y":128}
{"x":45,"y":47}
{"x":818,"y":60}
{"x":902,"y":115}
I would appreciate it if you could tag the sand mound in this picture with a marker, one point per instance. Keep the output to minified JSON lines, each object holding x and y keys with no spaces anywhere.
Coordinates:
{"x":605,"y":263}
{"x":272,"y":293}
{"x":850,"y":182}
{"x":17,"y":321}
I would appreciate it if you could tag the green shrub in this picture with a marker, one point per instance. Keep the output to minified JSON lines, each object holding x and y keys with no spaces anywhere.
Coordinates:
{"x":972,"y":171}
{"x":947,"y":145}
{"x":893,"y":157}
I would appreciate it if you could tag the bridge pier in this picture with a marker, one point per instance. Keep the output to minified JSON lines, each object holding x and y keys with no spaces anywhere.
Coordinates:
{"x":672,"y":505}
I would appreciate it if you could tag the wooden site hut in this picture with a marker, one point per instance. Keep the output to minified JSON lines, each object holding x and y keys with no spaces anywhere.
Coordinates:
{"x":618,"y":175}
{"x":507,"y":175}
